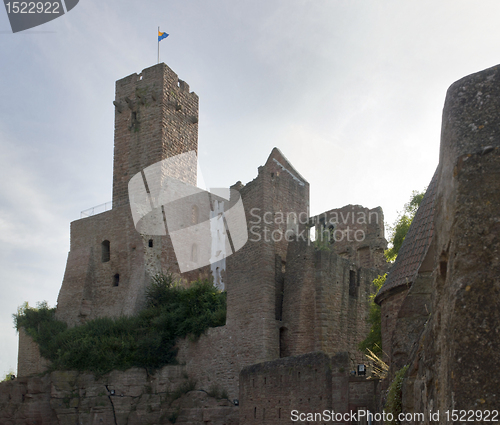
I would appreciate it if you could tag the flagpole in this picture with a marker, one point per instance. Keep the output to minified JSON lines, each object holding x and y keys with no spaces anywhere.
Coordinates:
{"x":158,"y":45}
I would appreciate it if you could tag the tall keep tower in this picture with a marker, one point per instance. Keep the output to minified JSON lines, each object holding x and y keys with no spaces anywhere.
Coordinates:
{"x":156,"y":117}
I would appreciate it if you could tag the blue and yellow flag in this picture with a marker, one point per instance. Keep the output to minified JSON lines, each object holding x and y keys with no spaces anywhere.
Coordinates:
{"x":162,"y":35}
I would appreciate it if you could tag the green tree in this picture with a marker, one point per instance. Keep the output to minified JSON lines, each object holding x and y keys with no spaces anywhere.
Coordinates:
{"x":400,"y":228}
{"x":373,"y":341}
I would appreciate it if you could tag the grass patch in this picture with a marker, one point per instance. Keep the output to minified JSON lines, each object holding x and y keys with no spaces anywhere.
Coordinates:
{"x":146,"y":340}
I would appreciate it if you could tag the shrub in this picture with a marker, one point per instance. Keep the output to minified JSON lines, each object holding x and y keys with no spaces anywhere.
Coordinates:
{"x":394,"y":395}
{"x":146,"y":340}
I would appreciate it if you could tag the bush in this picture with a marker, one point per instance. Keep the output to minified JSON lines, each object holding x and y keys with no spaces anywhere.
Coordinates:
{"x":146,"y":340}
{"x":394,"y":395}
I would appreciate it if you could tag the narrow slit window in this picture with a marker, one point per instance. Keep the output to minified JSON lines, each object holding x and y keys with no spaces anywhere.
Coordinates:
{"x":150,"y":243}
{"x":105,"y":252}
{"x":116,"y":279}
{"x":352,"y":284}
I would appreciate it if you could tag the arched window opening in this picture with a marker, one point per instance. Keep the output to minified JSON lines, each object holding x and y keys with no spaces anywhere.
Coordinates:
{"x":105,"y":252}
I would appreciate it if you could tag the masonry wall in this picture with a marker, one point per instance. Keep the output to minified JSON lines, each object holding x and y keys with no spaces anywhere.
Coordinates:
{"x":310,"y":383}
{"x":415,"y":311}
{"x":389,"y":309}
{"x":30,"y":362}
{"x":156,"y":117}
{"x":355,"y":233}
{"x":326,"y":302}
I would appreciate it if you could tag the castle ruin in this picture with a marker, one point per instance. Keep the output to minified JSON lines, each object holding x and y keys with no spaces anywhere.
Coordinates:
{"x":296,"y":310}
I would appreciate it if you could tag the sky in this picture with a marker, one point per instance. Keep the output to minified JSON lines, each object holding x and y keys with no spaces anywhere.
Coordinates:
{"x":350,"y":91}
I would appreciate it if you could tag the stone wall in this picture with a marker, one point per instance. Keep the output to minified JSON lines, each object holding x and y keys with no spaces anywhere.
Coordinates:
{"x":326,"y":302}
{"x":457,"y":356}
{"x":310,"y":383}
{"x":121,"y":398}
{"x":29,"y":362}
{"x":355,"y":233}
{"x":388,"y":315}
{"x":156,"y":117}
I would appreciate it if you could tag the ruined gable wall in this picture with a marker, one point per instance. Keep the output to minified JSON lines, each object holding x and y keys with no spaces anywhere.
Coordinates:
{"x":251,"y":333}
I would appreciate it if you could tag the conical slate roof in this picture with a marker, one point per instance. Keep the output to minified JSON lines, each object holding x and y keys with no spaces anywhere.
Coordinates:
{"x":414,"y":247}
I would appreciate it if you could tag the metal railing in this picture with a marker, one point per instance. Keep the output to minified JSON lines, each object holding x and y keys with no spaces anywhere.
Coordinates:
{"x":97,"y":210}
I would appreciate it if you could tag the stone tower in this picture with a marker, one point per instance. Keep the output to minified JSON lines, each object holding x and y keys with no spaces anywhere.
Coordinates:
{"x":110,"y":263}
{"x":156,"y":117}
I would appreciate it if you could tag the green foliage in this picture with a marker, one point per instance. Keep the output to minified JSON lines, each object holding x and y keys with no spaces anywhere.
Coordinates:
{"x":8,"y":376}
{"x":373,"y":341}
{"x":393,"y":404}
{"x":146,"y":340}
{"x":402,"y":225}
